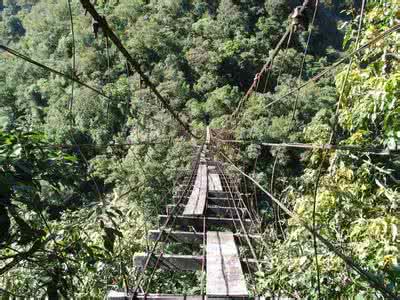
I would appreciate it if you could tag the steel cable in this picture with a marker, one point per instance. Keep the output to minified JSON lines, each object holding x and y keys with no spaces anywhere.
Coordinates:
{"x":338,"y":63}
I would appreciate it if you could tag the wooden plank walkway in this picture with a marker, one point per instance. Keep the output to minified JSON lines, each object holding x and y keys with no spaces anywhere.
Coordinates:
{"x":210,"y":203}
{"x":197,"y":221}
{"x":214,"y":182}
{"x":197,"y":200}
{"x":225,"y":276}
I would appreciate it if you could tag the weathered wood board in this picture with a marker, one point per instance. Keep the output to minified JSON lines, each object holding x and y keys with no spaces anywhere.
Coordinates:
{"x":190,"y":237}
{"x":225,"y":276}
{"x":197,"y":221}
{"x":197,"y":200}
{"x":214,"y":210}
{"x":214,"y":182}
{"x":184,"y":263}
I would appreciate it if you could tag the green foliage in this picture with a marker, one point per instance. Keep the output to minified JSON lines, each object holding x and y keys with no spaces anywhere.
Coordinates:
{"x":357,"y":204}
{"x":375,"y":110}
{"x":202,"y":56}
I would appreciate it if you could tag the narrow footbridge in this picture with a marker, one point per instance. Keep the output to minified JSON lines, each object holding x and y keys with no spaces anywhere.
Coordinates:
{"x":211,"y":213}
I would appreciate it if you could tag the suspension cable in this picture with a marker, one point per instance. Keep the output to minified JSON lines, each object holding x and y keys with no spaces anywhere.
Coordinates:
{"x":310,"y":30}
{"x":268,"y":64}
{"x":325,"y":152}
{"x":36,"y":63}
{"x":264,"y":69}
{"x":71,"y":17}
{"x":338,"y":63}
{"x":117,"y":42}
{"x":353,"y":148}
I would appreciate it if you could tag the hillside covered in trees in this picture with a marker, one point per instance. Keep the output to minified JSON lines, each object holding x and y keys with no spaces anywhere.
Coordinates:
{"x":86,"y":168}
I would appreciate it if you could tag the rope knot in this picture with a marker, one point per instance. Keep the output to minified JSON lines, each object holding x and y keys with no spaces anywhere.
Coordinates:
{"x":299,"y":18}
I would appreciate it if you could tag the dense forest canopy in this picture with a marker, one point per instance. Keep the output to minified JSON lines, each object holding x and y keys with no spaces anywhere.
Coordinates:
{"x":84,"y":175}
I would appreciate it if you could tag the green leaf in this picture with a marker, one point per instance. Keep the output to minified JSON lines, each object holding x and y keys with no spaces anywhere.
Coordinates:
{"x":70,"y":158}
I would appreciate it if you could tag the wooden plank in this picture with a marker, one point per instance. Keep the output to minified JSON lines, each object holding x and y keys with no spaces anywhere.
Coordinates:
{"x":190,"y":237}
{"x":203,"y":157}
{"x":213,"y":210}
{"x":224,"y":271}
{"x":182,"y":187}
{"x":185,"y":181}
{"x":226,"y":197}
{"x":197,"y":222}
{"x":214,"y":182}
{"x":197,"y":200}
{"x":115,"y":295}
{"x":184,"y":263}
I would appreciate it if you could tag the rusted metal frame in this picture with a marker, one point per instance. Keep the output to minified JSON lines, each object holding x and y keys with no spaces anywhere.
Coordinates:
{"x":222,"y":174}
{"x":244,"y":230}
{"x":182,"y":192}
{"x":239,"y":197}
{"x":237,"y":190}
{"x":150,"y":254}
{"x":203,"y":263}
{"x":249,"y":203}
{"x":244,"y":205}
{"x":174,"y":220}
{"x":159,"y":260}
{"x":241,"y":244}
{"x":153,"y":272}
{"x":246,"y":235}
{"x":171,"y":238}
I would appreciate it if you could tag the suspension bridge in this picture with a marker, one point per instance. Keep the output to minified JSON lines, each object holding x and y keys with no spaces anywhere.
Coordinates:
{"x":209,"y":211}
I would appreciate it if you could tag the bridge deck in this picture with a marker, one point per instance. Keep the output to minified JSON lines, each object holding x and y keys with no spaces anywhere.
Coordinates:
{"x":224,"y":272}
{"x":197,"y":200}
{"x":182,"y":263}
{"x":214,"y":182}
{"x":201,"y":220}
{"x":197,"y":221}
{"x":195,"y":238}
